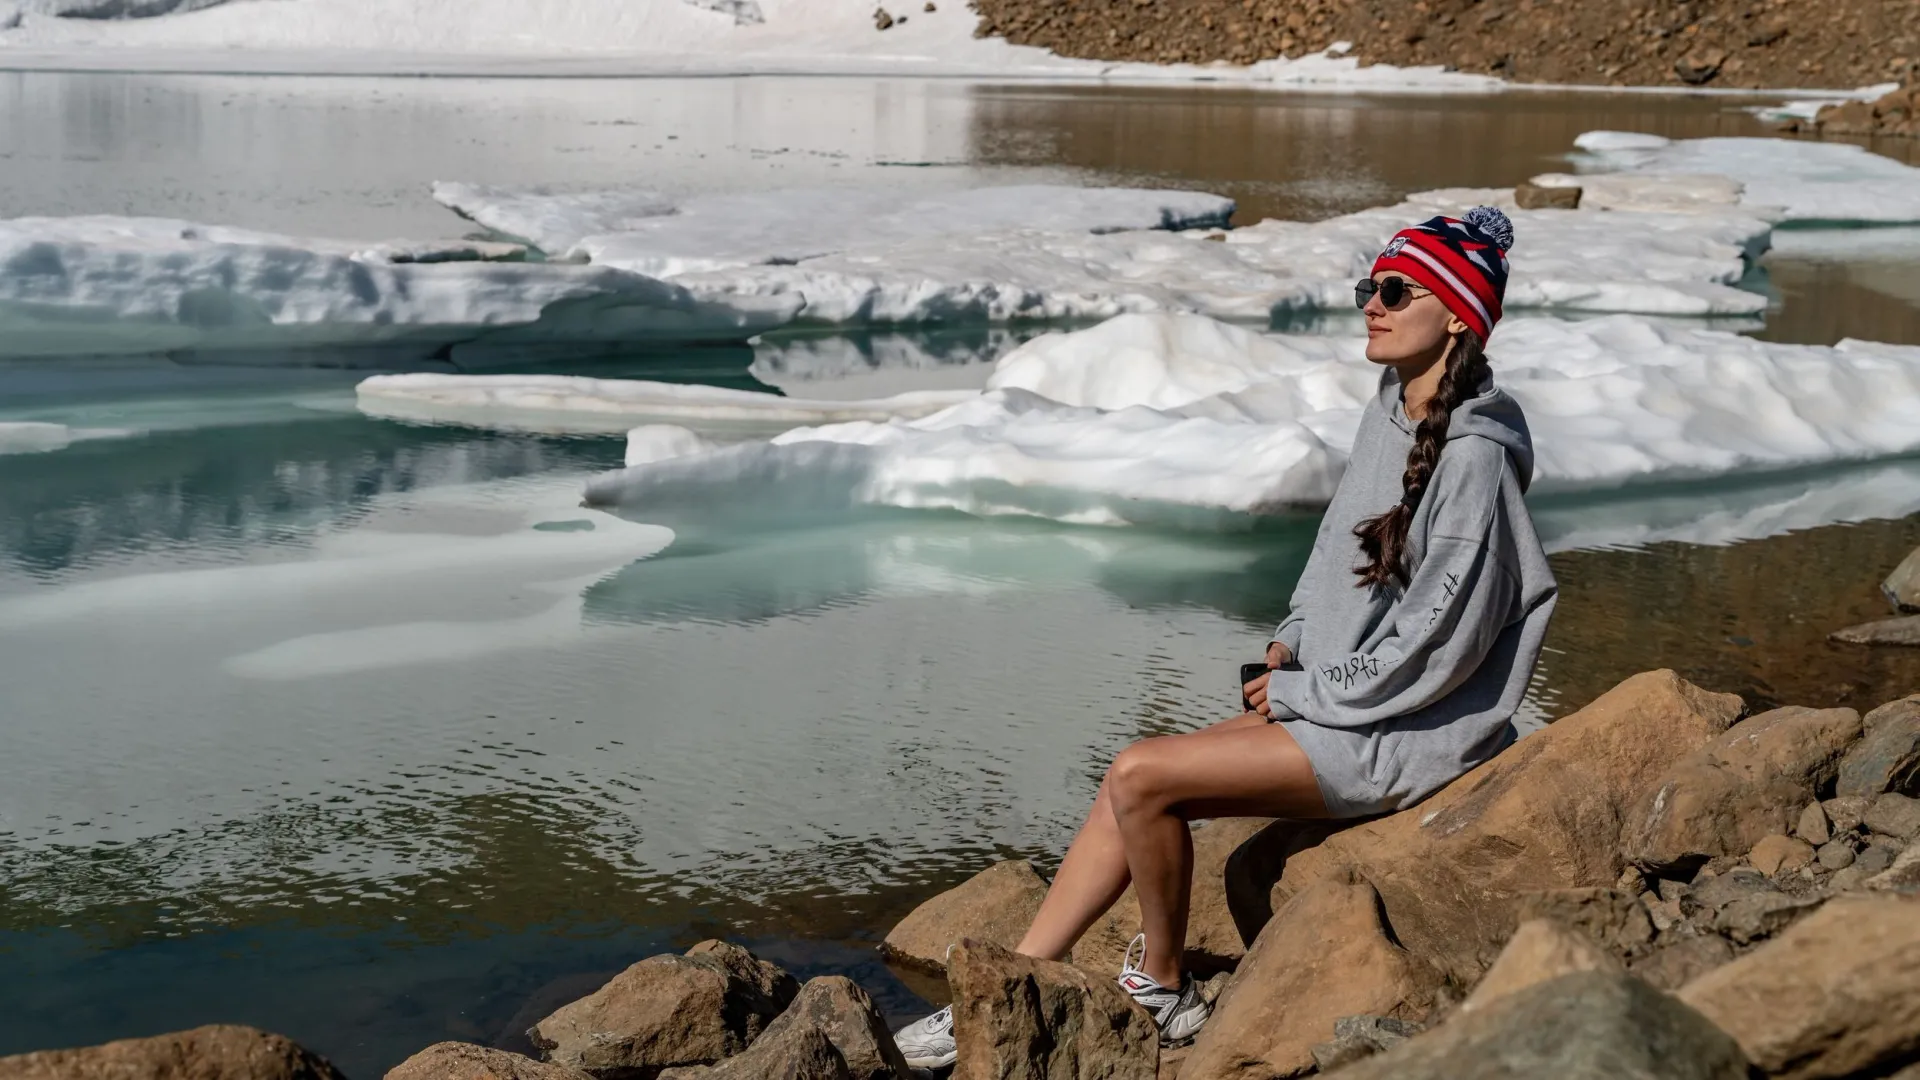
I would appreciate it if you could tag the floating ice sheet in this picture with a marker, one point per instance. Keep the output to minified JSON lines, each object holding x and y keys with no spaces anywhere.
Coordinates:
{"x":1813,"y":182}
{"x":646,"y":233}
{"x":104,"y":285}
{"x":1181,"y":421}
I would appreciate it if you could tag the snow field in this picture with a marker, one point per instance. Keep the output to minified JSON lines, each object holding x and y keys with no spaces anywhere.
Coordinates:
{"x":1812,"y":183}
{"x":1180,"y":420}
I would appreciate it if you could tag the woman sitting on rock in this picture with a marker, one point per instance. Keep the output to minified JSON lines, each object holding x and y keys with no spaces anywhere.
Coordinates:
{"x":1411,"y":638}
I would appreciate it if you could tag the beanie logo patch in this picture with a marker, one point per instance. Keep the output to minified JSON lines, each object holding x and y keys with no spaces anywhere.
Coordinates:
{"x":1394,"y":247}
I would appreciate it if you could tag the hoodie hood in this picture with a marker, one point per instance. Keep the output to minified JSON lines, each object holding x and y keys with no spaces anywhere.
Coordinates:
{"x":1491,"y":413}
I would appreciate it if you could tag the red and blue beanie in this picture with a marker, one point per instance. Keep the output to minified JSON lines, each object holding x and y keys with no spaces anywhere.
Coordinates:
{"x":1463,"y":260}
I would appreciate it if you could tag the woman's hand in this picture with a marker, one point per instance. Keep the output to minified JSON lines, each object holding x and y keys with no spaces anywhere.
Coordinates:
{"x":1278,"y":655}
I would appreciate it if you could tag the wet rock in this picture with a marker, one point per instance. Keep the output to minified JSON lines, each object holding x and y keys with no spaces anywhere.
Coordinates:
{"x":1799,"y":1004}
{"x":1749,"y":782}
{"x":1847,"y":812}
{"x":1901,"y":631}
{"x":1677,"y":961}
{"x":1903,"y":585}
{"x":1618,"y":920}
{"x":1540,"y":951}
{"x":1587,"y":1026}
{"x":668,"y":1011}
{"x":1214,"y":943}
{"x":1813,"y":826}
{"x":1776,"y":853}
{"x":1835,"y":854}
{"x":1545,"y":814}
{"x":1896,"y":113}
{"x":1529,"y":196}
{"x":1887,"y":757}
{"x":837,"y":1009}
{"x":1698,"y":67}
{"x":1014,"y":1016}
{"x":1357,"y":1037}
{"x":1894,"y":815}
{"x":464,"y":1061}
{"x":804,"y":1053}
{"x":214,"y":1052}
{"x":996,"y":905}
{"x":1325,"y":955}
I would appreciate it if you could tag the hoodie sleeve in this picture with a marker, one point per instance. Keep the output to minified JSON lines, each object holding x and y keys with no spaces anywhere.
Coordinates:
{"x":1461,"y":597}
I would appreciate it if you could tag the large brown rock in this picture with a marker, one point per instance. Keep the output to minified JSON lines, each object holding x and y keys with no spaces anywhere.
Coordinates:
{"x":1836,"y":995}
{"x":1213,"y":940}
{"x":1541,"y":951}
{"x":1018,"y":1018}
{"x":1255,"y":866}
{"x":668,"y":1011}
{"x":215,"y":1052}
{"x":1887,"y":757}
{"x":465,"y":1061}
{"x":997,"y":905}
{"x":1750,"y":782}
{"x":1588,"y":1026}
{"x":804,"y":1053}
{"x":1545,"y":814}
{"x":1324,"y":956}
{"x":837,"y":1008}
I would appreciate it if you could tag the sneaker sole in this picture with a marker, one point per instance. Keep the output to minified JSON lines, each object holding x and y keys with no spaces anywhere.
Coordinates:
{"x":933,"y":1062}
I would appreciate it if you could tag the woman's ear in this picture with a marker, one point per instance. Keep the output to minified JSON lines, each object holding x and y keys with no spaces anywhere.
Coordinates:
{"x":1454,"y":325}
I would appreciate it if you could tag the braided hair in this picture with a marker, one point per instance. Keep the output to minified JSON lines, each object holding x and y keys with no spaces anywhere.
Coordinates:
{"x":1383,"y":538}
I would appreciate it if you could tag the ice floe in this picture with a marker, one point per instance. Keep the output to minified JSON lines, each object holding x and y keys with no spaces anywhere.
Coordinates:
{"x":1177,"y":420}
{"x":102,"y":285}
{"x":588,"y":404}
{"x":645,"y":233}
{"x":39,"y":437}
{"x":1812,"y":182}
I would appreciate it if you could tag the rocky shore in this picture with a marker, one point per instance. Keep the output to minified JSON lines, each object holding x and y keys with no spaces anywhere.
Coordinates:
{"x":1658,"y":885}
{"x":1721,"y":43}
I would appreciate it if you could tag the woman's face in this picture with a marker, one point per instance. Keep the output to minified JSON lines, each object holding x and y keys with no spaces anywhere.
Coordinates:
{"x":1418,"y":328}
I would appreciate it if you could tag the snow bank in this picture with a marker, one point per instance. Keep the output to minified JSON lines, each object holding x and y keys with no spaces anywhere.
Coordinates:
{"x":37,"y":437}
{"x":1812,"y":182}
{"x":628,"y":37}
{"x":1175,"y":420}
{"x":141,"y":285}
{"x":645,"y":233}
{"x":615,"y":404}
{"x":1641,"y":262}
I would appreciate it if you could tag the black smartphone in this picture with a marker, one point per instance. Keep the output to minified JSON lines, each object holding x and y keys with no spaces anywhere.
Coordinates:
{"x":1248,"y":673}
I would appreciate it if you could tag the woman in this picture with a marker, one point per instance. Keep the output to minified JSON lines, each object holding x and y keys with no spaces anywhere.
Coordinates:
{"x":1411,"y":638}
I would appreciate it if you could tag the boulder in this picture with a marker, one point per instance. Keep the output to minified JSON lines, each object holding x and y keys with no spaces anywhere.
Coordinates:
{"x":1213,"y":940}
{"x":1813,"y":826}
{"x":465,"y":1061}
{"x":1901,"y":631}
{"x":995,"y":905}
{"x":1544,"y":814}
{"x":668,"y":1011}
{"x":836,"y":1008}
{"x":1836,"y":995}
{"x":1616,"y":919}
{"x":803,"y":1053}
{"x":1529,"y":196}
{"x":1018,"y":1018}
{"x":1749,"y":782}
{"x":1678,"y":960}
{"x":1903,"y":585}
{"x":1357,"y":1037}
{"x":215,"y":1052}
{"x":1541,"y":951}
{"x":1887,"y":757}
{"x":1256,"y":865}
{"x":1776,"y":853}
{"x":1894,"y":815}
{"x":1325,"y":955}
{"x":1592,"y":1025}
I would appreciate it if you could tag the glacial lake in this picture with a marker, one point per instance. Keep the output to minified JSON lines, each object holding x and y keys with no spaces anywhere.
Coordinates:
{"x":305,"y":728}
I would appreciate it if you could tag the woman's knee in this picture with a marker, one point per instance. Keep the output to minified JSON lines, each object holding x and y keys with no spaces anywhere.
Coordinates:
{"x":1133,"y":780}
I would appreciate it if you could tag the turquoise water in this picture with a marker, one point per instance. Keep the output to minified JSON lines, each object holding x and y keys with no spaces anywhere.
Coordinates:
{"x":366,"y":732}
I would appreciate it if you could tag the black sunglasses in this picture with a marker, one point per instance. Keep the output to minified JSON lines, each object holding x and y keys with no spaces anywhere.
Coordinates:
{"x":1393,"y":291}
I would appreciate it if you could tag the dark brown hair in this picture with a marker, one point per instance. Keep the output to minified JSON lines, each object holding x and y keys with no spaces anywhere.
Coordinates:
{"x":1384,"y":538}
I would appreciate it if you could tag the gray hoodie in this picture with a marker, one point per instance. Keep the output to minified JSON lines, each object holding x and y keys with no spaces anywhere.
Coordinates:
{"x":1401,"y":690}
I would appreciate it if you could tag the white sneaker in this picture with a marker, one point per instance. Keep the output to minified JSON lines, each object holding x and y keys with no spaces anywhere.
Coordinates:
{"x":1178,"y":1013}
{"x":928,"y":1043}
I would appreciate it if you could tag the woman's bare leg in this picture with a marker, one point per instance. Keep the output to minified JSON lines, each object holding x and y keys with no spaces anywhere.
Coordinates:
{"x":1094,"y":872}
{"x":1157,"y":785}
